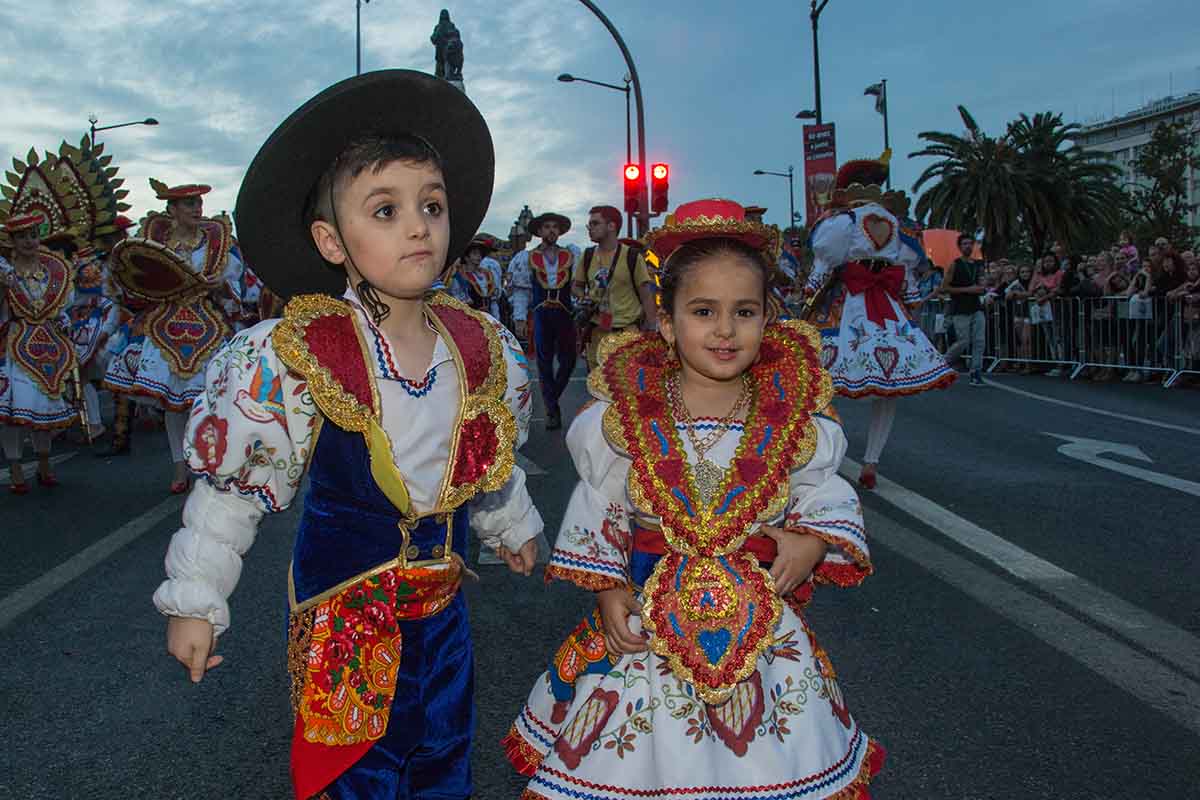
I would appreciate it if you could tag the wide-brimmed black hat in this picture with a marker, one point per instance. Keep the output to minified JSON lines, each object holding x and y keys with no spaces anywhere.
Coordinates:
{"x":270,"y":207}
{"x":535,"y":224}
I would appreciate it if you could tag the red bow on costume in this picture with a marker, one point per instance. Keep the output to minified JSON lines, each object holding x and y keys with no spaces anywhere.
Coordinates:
{"x":878,"y":288}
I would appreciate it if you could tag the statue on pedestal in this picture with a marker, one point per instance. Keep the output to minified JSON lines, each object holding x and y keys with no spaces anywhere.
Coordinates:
{"x":448,"y":49}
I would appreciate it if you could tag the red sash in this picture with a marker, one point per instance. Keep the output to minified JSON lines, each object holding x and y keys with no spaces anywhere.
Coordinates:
{"x":878,"y":289}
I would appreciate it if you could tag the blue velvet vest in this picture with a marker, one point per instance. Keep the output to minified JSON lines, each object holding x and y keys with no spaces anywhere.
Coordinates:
{"x":350,"y":527}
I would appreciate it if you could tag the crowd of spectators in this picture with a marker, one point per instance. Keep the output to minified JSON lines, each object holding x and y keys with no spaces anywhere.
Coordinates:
{"x":1126,"y":314}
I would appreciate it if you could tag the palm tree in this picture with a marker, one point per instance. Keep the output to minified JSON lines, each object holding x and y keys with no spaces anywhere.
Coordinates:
{"x":979,"y":181}
{"x":1069,"y":193}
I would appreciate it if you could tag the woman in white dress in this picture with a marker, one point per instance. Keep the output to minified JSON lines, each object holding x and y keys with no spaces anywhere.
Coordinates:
{"x":37,"y":360}
{"x":171,"y":341}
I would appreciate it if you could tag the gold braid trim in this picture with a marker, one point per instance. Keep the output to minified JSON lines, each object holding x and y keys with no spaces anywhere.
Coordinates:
{"x":591,"y":581}
{"x":341,"y":407}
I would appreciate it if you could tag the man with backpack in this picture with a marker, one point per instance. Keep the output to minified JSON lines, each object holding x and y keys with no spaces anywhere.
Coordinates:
{"x":613,"y":286}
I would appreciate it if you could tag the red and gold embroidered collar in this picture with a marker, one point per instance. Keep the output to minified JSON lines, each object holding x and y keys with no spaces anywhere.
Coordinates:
{"x":562,"y":275}
{"x":709,"y":608}
{"x":789,"y":386}
{"x":319,"y":338}
{"x":58,"y":291}
{"x":216,"y":236}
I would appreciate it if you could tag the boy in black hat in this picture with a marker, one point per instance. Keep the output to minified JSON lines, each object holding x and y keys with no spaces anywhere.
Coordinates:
{"x":541,"y":280}
{"x":400,"y":404}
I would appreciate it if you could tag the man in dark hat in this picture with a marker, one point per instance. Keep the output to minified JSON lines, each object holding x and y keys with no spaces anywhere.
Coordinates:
{"x":541,"y":281}
{"x":402,"y":406}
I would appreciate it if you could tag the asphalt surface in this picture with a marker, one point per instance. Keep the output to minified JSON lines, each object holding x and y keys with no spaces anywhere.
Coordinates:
{"x":981,"y":684}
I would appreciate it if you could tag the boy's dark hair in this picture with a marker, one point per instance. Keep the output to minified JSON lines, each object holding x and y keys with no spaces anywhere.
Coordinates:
{"x":688,"y":254}
{"x":610,"y":214}
{"x":371,"y":151}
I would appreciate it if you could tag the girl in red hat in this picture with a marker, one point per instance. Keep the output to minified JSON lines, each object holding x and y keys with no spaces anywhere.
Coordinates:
{"x":709,"y":508}
{"x":36,"y":357}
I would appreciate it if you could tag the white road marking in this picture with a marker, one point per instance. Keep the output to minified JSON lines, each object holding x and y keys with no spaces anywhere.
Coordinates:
{"x":1090,"y":451}
{"x":29,"y":468}
{"x":1159,"y":687}
{"x":1127,"y":417}
{"x":1167,"y":641}
{"x":37,"y":590}
{"x":530,"y":467}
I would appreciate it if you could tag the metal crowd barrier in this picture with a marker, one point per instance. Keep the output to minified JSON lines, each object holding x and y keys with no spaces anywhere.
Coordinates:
{"x":1111,"y":336}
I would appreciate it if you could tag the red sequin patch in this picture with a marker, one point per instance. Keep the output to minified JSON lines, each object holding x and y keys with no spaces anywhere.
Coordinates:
{"x":329,"y":338}
{"x":476,"y":449}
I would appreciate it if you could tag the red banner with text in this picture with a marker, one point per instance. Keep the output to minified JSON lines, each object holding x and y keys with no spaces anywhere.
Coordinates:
{"x":820,"y":169}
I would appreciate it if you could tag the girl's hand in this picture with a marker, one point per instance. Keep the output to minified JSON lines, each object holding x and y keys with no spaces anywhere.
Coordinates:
{"x":522,"y":561}
{"x":616,"y":606}
{"x":798,"y":555}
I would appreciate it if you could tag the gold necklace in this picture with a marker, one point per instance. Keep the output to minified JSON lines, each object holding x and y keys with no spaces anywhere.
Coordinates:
{"x":707,"y":475}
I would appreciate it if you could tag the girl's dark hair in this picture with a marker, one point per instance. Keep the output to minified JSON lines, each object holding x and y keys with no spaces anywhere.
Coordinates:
{"x":689,"y":254}
{"x":375,"y":152}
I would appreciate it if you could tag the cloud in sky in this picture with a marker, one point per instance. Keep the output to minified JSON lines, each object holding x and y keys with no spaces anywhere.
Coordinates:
{"x":722,"y":81}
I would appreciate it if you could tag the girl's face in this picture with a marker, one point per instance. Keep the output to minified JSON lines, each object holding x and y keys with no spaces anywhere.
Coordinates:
{"x":1026,"y":273}
{"x":395,"y":223}
{"x":717,"y":319}
{"x":26,"y":242}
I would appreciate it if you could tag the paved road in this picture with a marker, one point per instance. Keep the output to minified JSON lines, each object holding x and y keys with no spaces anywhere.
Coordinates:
{"x":1050,"y":660}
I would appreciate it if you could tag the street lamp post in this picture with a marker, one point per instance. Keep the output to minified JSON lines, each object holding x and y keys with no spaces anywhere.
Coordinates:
{"x":643,"y":216}
{"x":790,"y":174}
{"x":566,"y":77}
{"x":814,"y":14}
{"x":358,"y":4}
{"x":93,"y":120}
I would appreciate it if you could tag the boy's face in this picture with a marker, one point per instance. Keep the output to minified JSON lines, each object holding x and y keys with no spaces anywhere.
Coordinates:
{"x":395,"y":223}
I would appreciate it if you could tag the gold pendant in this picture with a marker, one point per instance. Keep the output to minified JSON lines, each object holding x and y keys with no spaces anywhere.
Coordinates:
{"x":708,"y":477}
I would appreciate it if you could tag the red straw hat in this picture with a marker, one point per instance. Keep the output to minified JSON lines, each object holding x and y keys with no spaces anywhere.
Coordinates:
{"x":122,"y":222}
{"x":23,"y":222}
{"x":713,"y":218}
{"x":164,"y":192}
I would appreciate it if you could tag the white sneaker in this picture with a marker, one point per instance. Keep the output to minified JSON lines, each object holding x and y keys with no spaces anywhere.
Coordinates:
{"x":1054,"y":373}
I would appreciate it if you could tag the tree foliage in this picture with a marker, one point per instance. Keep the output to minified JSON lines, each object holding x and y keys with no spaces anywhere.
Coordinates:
{"x":1160,"y":206}
{"x":1032,"y":184}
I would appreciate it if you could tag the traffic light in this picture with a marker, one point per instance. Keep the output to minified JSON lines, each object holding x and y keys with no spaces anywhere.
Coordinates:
{"x":660,"y":180}
{"x":633,"y":187}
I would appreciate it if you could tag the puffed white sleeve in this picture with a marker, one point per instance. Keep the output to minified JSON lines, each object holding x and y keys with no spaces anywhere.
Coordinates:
{"x":823,"y":504}
{"x":507,"y":516}
{"x":831,"y":248}
{"x":248,"y":439}
{"x":522,"y":286}
{"x":592,"y":550}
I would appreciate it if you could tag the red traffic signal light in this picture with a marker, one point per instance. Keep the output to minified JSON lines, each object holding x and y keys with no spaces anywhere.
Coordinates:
{"x":659,"y":186}
{"x":633,"y":187}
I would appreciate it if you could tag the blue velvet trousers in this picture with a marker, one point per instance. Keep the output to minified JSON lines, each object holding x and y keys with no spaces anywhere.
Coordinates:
{"x":426,"y":752}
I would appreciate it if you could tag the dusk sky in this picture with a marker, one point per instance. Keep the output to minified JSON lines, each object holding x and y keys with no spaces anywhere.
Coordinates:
{"x":722,"y":81}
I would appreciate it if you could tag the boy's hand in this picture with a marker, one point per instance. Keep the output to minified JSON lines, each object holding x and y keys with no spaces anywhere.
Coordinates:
{"x":798,"y":555}
{"x":616,"y":606}
{"x":523,"y":560}
{"x":192,"y":642}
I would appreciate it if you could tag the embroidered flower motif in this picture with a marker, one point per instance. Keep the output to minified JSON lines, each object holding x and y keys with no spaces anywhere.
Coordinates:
{"x":210,"y":441}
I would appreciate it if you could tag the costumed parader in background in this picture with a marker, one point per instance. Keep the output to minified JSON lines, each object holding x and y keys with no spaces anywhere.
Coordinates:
{"x":404,"y":409}
{"x":477,"y":282}
{"x":186,"y":267}
{"x":128,"y":308}
{"x":541,"y":287}
{"x":709,"y":508}
{"x":613,"y":288}
{"x":863,"y":276}
{"x":94,"y":319}
{"x":37,"y":359}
